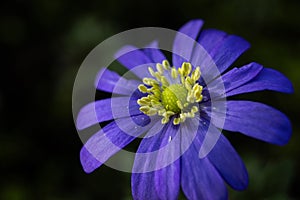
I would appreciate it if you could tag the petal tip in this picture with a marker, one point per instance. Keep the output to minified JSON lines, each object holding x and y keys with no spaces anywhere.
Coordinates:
{"x":124,"y":50}
{"x":88,"y":162}
{"x":193,"y":25}
{"x":290,"y":88}
{"x":243,"y":184}
{"x":79,"y":125}
{"x":197,"y":21}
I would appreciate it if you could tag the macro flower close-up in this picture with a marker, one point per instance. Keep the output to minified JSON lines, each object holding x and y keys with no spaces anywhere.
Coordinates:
{"x":179,"y":107}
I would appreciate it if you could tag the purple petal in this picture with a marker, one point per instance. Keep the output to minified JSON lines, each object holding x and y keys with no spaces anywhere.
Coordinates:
{"x":259,"y":121}
{"x":208,"y":40}
{"x":228,"y":163}
{"x":267,"y":79}
{"x":135,"y":60}
{"x":153,"y":52}
{"x":154,"y":151}
{"x":230,"y":49}
{"x":142,"y":186}
{"x":109,"y":81}
{"x":100,"y":111}
{"x":88,"y":161}
{"x":199,"y":178}
{"x":167,"y":181}
{"x":105,"y":143}
{"x":223,"y":49}
{"x":162,"y":183}
{"x":183,"y":45}
{"x":211,"y":38}
{"x":234,"y":79}
{"x":222,"y":155}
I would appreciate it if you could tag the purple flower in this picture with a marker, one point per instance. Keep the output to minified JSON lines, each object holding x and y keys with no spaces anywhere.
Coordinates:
{"x":172,"y":104}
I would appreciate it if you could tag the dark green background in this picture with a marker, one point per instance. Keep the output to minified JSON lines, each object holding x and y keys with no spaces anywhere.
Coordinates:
{"x":43,"y":43}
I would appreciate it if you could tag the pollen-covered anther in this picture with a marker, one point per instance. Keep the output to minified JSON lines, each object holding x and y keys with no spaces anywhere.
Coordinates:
{"x":155,"y":104}
{"x":166,"y":65}
{"x":174,"y":73}
{"x":160,"y":68}
{"x":195,"y":94}
{"x":166,"y":116}
{"x":148,"y":110}
{"x":185,"y":69}
{"x":150,"y":81}
{"x":196,"y":74}
{"x":151,"y":71}
{"x":142,"y":88}
{"x":142,"y":102}
{"x":182,"y":117}
{"x":172,"y":93}
{"x":165,"y":81}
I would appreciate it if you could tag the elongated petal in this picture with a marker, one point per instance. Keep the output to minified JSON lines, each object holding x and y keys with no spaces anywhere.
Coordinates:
{"x":267,"y":79}
{"x":153,"y":52}
{"x":109,"y":81}
{"x":208,"y":40}
{"x":159,"y":150}
{"x":259,"y":121}
{"x":228,"y":163}
{"x":142,"y":186}
{"x":100,"y":111}
{"x":234,"y":79}
{"x":222,"y":155}
{"x":88,"y":161}
{"x":199,"y":178}
{"x":211,"y":38}
{"x":163,"y":183}
{"x":228,"y":51}
{"x":108,"y":141}
{"x":183,"y":45}
{"x":167,"y":181}
{"x":131,"y":58}
{"x":224,"y":50}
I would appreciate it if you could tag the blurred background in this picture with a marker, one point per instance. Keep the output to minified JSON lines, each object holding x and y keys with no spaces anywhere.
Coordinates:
{"x":43,"y":43}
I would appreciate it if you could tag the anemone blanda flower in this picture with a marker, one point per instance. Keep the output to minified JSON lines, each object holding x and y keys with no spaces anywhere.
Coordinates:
{"x":176,"y":99}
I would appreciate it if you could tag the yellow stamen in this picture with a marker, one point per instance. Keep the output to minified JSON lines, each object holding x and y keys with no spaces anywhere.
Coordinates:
{"x":166,"y":65}
{"x":166,"y":98}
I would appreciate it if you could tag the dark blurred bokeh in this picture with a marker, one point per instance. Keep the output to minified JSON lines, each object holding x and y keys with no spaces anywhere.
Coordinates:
{"x":43,"y":43}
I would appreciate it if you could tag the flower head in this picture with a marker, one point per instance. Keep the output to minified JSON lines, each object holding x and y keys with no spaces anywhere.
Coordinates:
{"x":181,"y":108}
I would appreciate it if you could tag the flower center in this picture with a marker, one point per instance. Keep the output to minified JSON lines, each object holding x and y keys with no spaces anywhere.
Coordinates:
{"x":171,"y":92}
{"x":171,"y":95}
